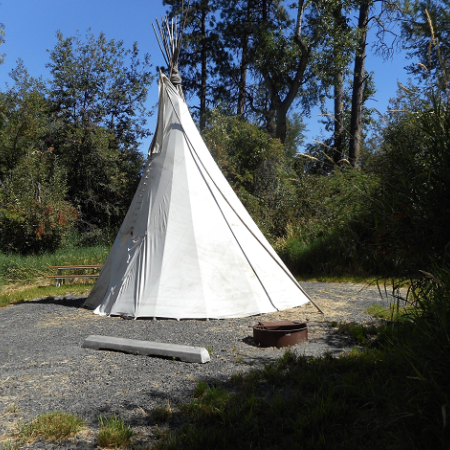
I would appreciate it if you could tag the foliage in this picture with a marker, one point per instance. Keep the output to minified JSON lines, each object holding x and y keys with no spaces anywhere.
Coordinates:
{"x":53,"y":426}
{"x":254,"y":58}
{"x":97,"y":92}
{"x":34,"y":213}
{"x":392,"y":220}
{"x":202,"y":52}
{"x":69,"y":146}
{"x":412,"y":208}
{"x":34,"y":216}
{"x":426,"y":32}
{"x":257,"y":168}
{"x":323,"y":151}
{"x":331,"y":231}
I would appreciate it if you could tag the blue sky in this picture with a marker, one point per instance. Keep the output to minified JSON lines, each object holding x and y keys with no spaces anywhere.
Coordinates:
{"x":31,"y":26}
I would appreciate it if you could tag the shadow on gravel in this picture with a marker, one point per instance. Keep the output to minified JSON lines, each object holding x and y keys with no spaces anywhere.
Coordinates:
{"x":69,"y":302}
{"x":249,"y":341}
{"x":338,"y":340}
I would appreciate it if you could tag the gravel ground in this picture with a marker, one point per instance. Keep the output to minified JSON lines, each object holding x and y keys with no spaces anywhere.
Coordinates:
{"x":44,"y":368}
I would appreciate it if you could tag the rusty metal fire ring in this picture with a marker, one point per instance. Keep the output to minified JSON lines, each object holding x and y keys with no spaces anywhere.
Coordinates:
{"x":279,"y":334}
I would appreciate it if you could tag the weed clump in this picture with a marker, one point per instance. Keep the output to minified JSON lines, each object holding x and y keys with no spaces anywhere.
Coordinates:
{"x":53,"y":426}
{"x":114,"y":433}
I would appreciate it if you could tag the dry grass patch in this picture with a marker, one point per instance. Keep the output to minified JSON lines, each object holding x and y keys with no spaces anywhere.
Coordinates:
{"x":53,"y":426}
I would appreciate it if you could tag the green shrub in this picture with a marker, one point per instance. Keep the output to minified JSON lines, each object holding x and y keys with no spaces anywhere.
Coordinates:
{"x":331,"y":236}
{"x":34,"y":215}
{"x":258,"y":169}
{"x":411,"y":211}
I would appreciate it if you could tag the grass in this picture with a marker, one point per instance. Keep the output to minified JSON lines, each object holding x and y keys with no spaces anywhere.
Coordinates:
{"x":163,"y":413}
{"x":10,"y":445}
{"x":360,"y":333}
{"x":12,"y":295}
{"x":23,"y":278}
{"x":321,"y":403}
{"x":26,"y":269}
{"x":57,"y":426}
{"x":393,"y":313}
{"x":114,"y":433}
{"x":53,"y":426}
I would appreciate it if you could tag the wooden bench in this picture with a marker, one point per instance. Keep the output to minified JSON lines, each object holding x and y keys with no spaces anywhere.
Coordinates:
{"x":61,"y":276}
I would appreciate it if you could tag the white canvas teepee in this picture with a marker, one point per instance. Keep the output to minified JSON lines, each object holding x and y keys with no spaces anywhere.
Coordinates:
{"x":187,"y":247}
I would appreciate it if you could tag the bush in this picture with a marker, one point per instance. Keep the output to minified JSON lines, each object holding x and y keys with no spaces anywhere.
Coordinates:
{"x":411,"y":211}
{"x":331,"y":234}
{"x":34,"y":216}
{"x":258,"y":169}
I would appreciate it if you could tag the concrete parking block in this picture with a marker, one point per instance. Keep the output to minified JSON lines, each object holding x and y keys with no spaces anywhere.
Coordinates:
{"x":137,"y":347}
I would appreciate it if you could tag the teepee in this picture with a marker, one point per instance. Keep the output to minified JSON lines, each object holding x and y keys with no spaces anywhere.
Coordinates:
{"x":187,"y":247}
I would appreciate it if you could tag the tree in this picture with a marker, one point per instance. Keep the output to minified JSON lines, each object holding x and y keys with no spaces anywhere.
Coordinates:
{"x":34,"y":211}
{"x":97,"y":91}
{"x":24,"y":112}
{"x":2,"y":41}
{"x":201,"y":51}
{"x":258,"y":169}
{"x":340,"y":57}
{"x":358,"y":84}
{"x":236,"y":28}
{"x":257,"y":57}
{"x":362,"y":84}
{"x":426,"y":35}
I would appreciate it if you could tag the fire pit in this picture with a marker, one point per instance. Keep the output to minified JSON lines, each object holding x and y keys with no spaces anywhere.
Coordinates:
{"x":279,"y":334}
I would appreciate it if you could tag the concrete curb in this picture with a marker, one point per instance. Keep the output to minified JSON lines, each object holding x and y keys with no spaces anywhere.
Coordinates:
{"x":181,"y":352}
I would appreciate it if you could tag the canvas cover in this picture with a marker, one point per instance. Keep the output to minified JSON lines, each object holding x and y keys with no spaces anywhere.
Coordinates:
{"x":187,"y":247}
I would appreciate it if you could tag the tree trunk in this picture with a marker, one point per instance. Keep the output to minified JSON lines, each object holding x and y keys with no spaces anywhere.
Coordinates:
{"x":282,"y":108}
{"x":244,"y":63}
{"x":339,"y":141}
{"x":281,"y":131}
{"x":358,"y":86}
{"x":204,"y":67}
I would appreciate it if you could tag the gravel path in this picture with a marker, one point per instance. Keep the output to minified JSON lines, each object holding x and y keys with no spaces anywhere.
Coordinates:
{"x":43,"y":367}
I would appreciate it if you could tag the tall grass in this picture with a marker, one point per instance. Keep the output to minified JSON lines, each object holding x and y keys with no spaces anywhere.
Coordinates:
{"x":114,"y":433}
{"x":18,"y":268}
